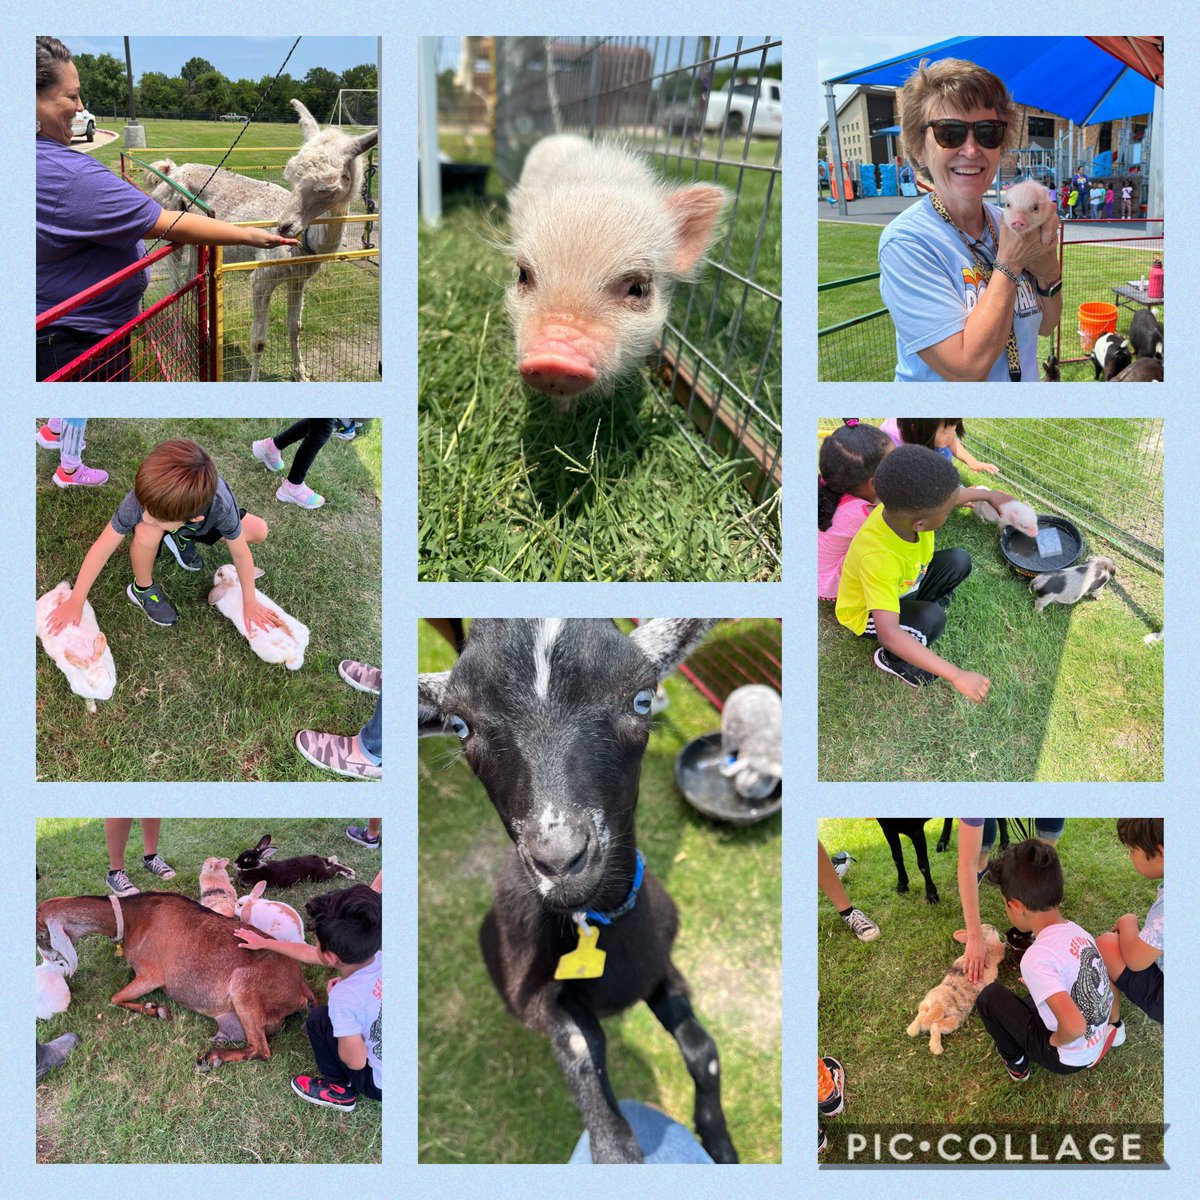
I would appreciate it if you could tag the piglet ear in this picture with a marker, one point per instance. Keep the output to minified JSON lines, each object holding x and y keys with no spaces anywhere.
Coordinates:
{"x":668,"y":641}
{"x":431,"y":687}
{"x":695,"y":211}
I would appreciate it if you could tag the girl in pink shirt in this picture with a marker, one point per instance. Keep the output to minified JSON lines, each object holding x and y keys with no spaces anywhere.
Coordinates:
{"x":845,"y":495}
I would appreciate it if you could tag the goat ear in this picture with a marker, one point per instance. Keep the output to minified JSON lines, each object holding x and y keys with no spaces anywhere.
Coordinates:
{"x":308,"y":126}
{"x":668,"y":641}
{"x":431,"y":688}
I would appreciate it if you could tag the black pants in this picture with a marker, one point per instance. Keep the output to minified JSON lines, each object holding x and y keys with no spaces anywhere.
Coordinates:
{"x":315,"y":431}
{"x":923,"y":612}
{"x":58,"y":345}
{"x":1017,"y":1029}
{"x":331,"y":1068}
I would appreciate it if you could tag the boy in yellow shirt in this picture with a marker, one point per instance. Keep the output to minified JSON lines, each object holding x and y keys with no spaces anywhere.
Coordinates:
{"x":895,"y":586}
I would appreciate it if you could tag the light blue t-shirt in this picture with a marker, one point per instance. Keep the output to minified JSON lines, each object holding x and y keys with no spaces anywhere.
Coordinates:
{"x":930,"y":282}
{"x":1152,"y":930}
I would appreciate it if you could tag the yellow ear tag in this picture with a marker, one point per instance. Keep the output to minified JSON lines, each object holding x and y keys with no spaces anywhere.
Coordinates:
{"x":586,"y":961}
{"x":120,"y":952}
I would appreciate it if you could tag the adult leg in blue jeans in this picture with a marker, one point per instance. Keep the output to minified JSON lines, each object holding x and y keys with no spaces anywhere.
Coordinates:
{"x":360,"y":755}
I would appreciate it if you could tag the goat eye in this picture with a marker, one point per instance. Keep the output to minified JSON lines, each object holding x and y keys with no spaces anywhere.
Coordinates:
{"x":460,"y":727}
{"x":642,"y":702}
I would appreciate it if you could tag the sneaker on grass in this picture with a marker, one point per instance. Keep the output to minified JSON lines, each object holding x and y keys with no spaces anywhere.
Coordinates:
{"x":82,"y":476}
{"x":338,"y":753}
{"x":359,"y":834}
{"x":155,"y":865}
{"x":360,"y":676}
{"x":861,"y":925}
{"x":184,"y":551}
{"x":48,"y":439}
{"x":299,"y":494}
{"x":1018,"y":1070}
{"x":316,"y":1090}
{"x":119,"y":885}
{"x":266,"y":454}
{"x":153,"y":603}
{"x":893,"y":664}
{"x":836,"y":1101}
{"x":348,"y":432}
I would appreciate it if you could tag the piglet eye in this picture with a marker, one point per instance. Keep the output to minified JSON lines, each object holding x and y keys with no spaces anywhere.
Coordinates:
{"x":524,"y":275}
{"x":642,"y":702}
{"x":637,"y":289}
{"x":460,"y":727}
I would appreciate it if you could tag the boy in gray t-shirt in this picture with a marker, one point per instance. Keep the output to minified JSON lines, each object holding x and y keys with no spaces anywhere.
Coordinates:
{"x":178,"y":499}
{"x":1133,"y":953}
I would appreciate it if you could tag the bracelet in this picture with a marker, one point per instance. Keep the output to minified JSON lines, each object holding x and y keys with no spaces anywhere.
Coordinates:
{"x":1005,"y":269}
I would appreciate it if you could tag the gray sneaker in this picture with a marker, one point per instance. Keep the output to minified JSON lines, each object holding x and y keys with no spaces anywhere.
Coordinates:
{"x":119,"y":885}
{"x":154,"y":604}
{"x":861,"y":925}
{"x":184,"y":551}
{"x":359,"y":834}
{"x":156,"y":866}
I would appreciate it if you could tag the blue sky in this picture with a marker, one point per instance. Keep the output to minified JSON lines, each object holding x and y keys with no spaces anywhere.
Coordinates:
{"x":234,"y":57}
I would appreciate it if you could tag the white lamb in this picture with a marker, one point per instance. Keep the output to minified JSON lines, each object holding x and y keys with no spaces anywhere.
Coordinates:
{"x":81,"y":651}
{"x":285,"y":643}
{"x":752,"y":740}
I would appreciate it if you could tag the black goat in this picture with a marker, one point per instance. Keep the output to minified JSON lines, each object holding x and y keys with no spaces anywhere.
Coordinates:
{"x":287,"y":872}
{"x":912,"y":828}
{"x":554,"y":716}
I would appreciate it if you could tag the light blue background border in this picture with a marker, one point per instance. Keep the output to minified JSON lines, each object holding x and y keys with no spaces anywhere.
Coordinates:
{"x":800,"y":25}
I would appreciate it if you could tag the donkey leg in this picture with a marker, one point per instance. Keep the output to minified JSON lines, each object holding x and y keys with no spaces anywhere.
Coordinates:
{"x":578,"y":1042}
{"x":295,"y":320}
{"x":670,"y":1005}
{"x":139,"y":986}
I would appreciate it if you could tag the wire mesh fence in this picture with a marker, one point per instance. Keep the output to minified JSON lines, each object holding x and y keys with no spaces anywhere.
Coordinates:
{"x":338,"y":333}
{"x":166,"y":342}
{"x":860,"y":349}
{"x":1104,"y":474}
{"x":707,"y":109}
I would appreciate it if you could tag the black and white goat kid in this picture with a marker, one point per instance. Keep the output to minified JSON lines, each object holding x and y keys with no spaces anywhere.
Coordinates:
{"x":554,"y":717}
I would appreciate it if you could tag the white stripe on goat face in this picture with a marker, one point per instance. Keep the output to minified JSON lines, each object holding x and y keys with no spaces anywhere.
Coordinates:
{"x":543,"y":646}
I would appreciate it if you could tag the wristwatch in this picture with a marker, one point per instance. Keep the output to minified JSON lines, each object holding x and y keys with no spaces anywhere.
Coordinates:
{"x":1052,"y":290}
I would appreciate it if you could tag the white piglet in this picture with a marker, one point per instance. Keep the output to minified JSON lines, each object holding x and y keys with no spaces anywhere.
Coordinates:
{"x":1012,"y":512}
{"x":1027,"y":205}
{"x":81,"y":651}
{"x":284,"y":644}
{"x":280,"y":920}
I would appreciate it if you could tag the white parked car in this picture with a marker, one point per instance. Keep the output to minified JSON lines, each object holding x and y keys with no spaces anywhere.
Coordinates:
{"x":739,"y":101}
{"x":233,"y":117}
{"x":83,"y":124}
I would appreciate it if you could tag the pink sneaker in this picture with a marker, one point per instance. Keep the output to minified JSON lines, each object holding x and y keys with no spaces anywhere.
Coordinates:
{"x":300,"y":494}
{"x":266,"y":454}
{"x":337,"y":753}
{"x":48,"y":439}
{"x":82,"y":476}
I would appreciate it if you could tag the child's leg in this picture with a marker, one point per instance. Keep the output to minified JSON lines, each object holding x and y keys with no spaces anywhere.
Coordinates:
{"x":1049,"y":829}
{"x":947,"y":569}
{"x":143,"y":547}
{"x":116,"y":835}
{"x":255,"y":529}
{"x":370,"y":737}
{"x":828,"y":881}
{"x":1109,"y":946}
{"x":330,"y":1067}
{"x":1017,"y":1029}
{"x":317,"y":433}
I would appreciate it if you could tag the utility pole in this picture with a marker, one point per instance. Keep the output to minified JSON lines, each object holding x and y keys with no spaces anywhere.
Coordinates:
{"x":135,"y":134}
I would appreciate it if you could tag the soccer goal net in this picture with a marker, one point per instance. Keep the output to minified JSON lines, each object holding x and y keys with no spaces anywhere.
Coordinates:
{"x":356,"y":106}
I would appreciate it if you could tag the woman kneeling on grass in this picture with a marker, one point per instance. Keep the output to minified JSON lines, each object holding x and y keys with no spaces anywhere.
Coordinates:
{"x":968,"y":296}
{"x":90,"y":225}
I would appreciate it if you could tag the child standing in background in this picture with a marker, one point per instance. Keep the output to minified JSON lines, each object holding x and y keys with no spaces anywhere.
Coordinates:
{"x":938,"y":433}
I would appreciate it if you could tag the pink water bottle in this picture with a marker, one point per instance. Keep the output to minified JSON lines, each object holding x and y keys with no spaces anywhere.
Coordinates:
{"x":1155,"y":291}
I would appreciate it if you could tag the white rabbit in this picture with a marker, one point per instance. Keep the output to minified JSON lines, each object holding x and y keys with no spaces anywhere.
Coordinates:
{"x":53,"y":995}
{"x":280,"y":920}
{"x":81,"y":651}
{"x":284,"y":644}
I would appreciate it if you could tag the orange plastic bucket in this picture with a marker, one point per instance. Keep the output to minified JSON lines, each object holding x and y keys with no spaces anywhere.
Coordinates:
{"x":1095,"y":319}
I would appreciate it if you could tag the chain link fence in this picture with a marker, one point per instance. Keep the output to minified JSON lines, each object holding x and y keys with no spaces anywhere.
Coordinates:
{"x":1104,"y":474}
{"x":700,"y":108}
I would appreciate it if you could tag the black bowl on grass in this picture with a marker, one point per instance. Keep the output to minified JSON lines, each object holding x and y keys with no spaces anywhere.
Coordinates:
{"x":1029,"y":557}
{"x":698,"y":774}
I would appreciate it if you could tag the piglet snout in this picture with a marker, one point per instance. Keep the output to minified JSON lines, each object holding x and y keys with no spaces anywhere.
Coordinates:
{"x":559,"y":361}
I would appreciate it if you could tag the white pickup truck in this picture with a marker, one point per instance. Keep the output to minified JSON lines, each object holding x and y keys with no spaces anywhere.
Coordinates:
{"x":737,"y":99}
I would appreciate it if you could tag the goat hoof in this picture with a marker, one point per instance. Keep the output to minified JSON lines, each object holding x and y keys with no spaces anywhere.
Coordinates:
{"x":902,"y":887}
{"x":941,"y":846}
{"x":210,"y":1060}
{"x":931,"y":896}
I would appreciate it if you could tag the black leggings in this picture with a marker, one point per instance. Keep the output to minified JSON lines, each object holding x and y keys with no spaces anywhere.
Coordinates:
{"x":58,"y":345}
{"x":923,"y":612}
{"x":316,"y":432}
{"x":330,"y":1067}
{"x":1017,"y":1028}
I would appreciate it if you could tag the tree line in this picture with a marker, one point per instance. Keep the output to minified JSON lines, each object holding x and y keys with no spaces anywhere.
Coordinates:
{"x":200,"y":89}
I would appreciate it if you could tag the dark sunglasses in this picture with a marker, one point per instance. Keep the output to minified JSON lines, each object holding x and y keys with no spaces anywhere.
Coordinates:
{"x":950,"y":134}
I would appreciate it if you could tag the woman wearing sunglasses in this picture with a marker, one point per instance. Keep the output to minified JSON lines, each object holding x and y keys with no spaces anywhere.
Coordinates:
{"x":968,"y":296}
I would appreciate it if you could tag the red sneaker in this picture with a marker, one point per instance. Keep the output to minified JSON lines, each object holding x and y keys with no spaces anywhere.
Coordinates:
{"x":316,"y":1090}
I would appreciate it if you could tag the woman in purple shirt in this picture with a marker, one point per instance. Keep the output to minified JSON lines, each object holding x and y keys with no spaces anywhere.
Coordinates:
{"x":90,"y":224}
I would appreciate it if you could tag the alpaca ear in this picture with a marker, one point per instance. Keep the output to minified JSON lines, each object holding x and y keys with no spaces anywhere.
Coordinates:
{"x":308,"y":126}
{"x":365,"y":142}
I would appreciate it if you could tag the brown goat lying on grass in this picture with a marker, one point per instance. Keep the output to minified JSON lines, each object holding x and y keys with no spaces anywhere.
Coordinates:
{"x":176,"y":944}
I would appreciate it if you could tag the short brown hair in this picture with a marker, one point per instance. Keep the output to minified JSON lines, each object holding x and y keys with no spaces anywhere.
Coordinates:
{"x":51,"y":54}
{"x":1146,"y":833}
{"x":176,"y":480}
{"x":957,"y":84}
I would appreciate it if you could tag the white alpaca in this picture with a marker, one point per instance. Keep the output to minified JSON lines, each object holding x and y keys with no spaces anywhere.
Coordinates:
{"x":324,"y":175}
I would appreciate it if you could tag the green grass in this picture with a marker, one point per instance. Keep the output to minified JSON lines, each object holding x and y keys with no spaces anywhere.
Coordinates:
{"x":130,"y":1092}
{"x":192,"y":701}
{"x":509,"y":489}
{"x":868,"y":351}
{"x":869,"y":992}
{"x":489,"y":1089}
{"x":1075,"y":693}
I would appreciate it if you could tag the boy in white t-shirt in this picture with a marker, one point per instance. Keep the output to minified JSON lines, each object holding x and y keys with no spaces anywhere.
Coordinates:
{"x":346,"y":1035}
{"x":1063,"y":1023}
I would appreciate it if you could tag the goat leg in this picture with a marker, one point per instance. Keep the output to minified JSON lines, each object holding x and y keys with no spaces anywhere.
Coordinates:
{"x":670,"y":1005}
{"x":139,"y":986}
{"x":918,"y":841}
{"x":944,"y":841}
{"x":578,"y":1042}
{"x":893,"y":841}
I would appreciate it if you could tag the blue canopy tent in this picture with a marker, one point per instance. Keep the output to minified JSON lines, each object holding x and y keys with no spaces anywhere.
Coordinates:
{"x":1071,"y":76}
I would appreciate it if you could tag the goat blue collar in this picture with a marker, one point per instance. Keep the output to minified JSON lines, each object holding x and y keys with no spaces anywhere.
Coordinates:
{"x":628,"y":906}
